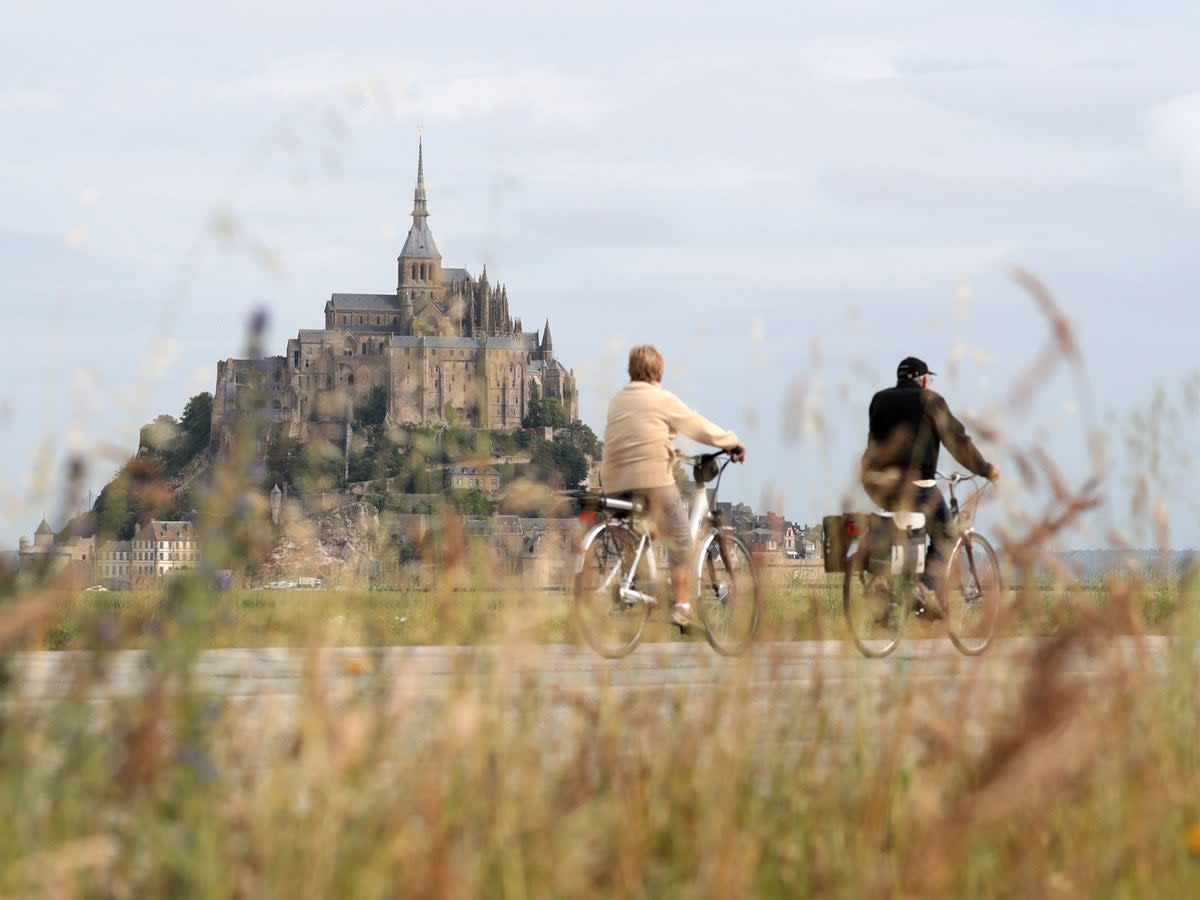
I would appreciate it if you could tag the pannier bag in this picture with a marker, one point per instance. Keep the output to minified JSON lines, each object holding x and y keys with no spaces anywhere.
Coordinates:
{"x":840,"y":533}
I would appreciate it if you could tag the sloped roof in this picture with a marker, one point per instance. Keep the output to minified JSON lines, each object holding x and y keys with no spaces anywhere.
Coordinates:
{"x":502,"y":342}
{"x":160,"y":530}
{"x":420,"y":243}
{"x":373,"y":302}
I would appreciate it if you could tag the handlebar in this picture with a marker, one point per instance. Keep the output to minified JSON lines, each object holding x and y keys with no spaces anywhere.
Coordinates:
{"x":957,"y":477}
{"x":691,"y":459}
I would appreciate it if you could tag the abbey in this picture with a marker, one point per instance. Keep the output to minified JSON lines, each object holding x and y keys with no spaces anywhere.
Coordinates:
{"x":443,"y":348}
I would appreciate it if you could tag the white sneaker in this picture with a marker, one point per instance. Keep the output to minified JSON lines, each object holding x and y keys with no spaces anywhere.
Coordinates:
{"x":681,"y":614}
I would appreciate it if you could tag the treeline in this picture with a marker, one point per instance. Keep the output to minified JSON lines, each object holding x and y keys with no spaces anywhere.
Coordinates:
{"x":150,"y":485}
{"x":413,"y":460}
{"x":160,"y":481}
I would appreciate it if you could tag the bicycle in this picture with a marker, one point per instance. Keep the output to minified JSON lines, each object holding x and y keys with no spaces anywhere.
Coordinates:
{"x":882,"y":586}
{"x":616,"y":583}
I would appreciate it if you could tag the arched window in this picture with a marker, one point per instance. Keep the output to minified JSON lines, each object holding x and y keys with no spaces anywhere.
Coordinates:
{"x":414,"y":271}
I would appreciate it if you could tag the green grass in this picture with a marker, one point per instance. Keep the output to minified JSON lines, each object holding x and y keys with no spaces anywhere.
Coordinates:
{"x":809,"y":610}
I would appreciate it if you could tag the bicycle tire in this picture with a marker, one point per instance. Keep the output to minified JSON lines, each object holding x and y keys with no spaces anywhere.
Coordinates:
{"x":729,"y":612}
{"x":875,"y":605}
{"x":610,"y":626}
{"x":972,"y":593}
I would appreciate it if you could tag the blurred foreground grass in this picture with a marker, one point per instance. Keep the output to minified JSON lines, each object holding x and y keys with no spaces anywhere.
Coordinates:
{"x":1078,"y":789}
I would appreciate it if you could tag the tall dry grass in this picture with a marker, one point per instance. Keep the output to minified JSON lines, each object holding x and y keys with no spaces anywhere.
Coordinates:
{"x":1067,"y":769}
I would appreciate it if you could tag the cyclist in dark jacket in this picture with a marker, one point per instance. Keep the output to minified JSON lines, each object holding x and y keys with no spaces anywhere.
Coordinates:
{"x":908,"y":425}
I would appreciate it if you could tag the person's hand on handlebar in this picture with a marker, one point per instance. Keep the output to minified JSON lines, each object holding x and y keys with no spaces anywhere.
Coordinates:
{"x":738,"y":453}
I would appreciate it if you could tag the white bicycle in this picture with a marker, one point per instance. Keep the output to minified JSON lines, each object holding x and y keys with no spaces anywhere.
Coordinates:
{"x":616,"y":571}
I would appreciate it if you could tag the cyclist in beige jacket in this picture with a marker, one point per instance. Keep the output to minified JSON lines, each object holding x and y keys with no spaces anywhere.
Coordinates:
{"x":638,"y":458}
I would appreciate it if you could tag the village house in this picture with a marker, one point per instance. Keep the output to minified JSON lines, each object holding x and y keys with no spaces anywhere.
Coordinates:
{"x":483,"y":478}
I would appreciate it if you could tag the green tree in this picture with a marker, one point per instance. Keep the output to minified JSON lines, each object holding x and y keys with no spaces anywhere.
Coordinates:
{"x":136,"y":494}
{"x":473,"y":502}
{"x":194,"y":431}
{"x":546,"y":412}
{"x":196,"y":420}
{"x":561,"y":465}
{"x":373,"y":410}
{"x":580,"y":436}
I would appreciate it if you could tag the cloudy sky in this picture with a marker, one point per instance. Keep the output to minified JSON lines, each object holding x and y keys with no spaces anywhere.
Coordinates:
{"x":786,"y":202}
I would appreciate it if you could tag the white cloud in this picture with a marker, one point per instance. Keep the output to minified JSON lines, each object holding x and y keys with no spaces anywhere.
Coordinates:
{"x":17,"y":99}
{"x":1174,"y":135}
{"x":841,"y":60}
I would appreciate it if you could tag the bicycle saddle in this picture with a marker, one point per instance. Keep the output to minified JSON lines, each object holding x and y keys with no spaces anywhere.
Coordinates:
{"x":906,"y":521}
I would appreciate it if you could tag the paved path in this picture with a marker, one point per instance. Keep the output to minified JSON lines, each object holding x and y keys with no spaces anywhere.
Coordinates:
{"x":437,"y":669}
{"x":236,"y":672}
{"x":262,"y":692}
{"x":829,"y":670}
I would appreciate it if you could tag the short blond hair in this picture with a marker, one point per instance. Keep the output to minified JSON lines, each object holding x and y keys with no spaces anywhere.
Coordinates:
{"x":645,"y":363}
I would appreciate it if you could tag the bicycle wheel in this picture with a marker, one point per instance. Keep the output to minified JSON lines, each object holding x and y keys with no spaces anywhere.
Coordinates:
{"x":876,"y":604}
{"x":729,"y":600}
{"x":972,"y":593}
{"x":611,"y":625}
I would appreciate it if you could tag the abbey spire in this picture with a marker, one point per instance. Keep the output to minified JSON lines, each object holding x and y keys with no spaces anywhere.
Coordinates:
{"x":419,"y":207}
{"x":420,"y":244}
{"x":419,"y":265}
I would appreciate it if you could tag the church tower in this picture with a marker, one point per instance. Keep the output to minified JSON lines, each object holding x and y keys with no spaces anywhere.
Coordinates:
{"x":419,"y":264}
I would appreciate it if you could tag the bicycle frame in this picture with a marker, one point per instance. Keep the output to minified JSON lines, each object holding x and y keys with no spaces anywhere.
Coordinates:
{"x":701,"y":512}
{"x":616,"y":582}
{"x":957,"y":517}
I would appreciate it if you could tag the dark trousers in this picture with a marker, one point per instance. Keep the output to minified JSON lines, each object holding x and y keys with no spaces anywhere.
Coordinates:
{"x":927,"y":500}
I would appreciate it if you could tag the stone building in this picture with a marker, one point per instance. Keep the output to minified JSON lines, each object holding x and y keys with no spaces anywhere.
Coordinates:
{"x":443,"y":347}
{"x":485,"y":478}
{"x":159,"y":548}
{"x":114,"y":562}
{"x":58,"y":553}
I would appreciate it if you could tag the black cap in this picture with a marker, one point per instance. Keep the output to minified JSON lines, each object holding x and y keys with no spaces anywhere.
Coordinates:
{"x":912,"y":368}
